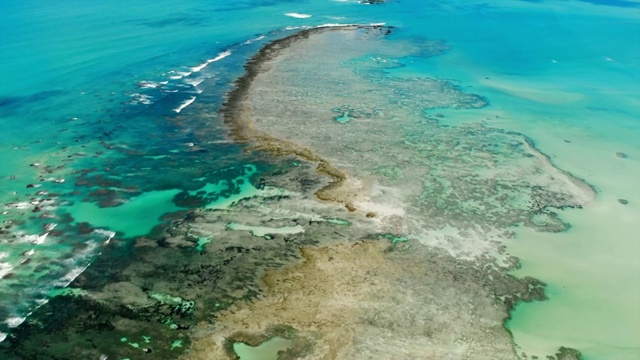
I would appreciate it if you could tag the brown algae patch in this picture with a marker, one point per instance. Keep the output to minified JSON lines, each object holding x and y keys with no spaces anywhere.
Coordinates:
{"x":373,"y":300}
{"x":237,"y":115}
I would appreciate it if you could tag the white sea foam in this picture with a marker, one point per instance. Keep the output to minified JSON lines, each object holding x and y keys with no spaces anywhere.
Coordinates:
{"x":50,"y":226}
{"x":2,"y":336}
{"x":18,"y":205}
{"x":33,"y":238}
{"x":220,"y":56}
{"x":345,"y":25}
{"x":289,"y":28}
{"x":70,"y":276}
{"x":185,"y":104}
{"x":151,"y":84}
{"x":194,"y":82}
{"x":200,"y":67}
{"x":107,"y":233}
{"x":137,"y":98}
{"x":5,"y":268}
{"x":178,"y":74}
{"x":298,"y":15}
{"x":15,"y":321}
{"x":253,"y":40}
{"x":41,"y":302}
{"x":40,"y":238}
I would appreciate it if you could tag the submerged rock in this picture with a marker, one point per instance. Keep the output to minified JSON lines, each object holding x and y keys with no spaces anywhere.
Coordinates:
{"x":565,"y":353}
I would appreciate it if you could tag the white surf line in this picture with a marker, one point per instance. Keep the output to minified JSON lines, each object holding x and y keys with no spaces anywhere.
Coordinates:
{"x":347,"y":25}
{"x":5,"y":268}
{"x":180,"y":74}
{"x":220,"y":56}
{"x":298,"y":15}
{"x":254,"y":40}
{"x":14,"y":321}
{"x":185,"y":104}
{"x":194,"y":82}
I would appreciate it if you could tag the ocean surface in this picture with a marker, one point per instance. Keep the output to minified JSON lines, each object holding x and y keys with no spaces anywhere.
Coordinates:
{"x":103,"y":137}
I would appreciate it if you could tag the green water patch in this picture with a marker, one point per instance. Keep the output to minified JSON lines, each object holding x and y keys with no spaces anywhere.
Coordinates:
{"x":338,"y":221}
{"x":347,"y":113}
{"x":268,"y":350}
{"x":68,"y":291}
{"x":181,"y":306}
{"x":263,"y":231}
{"x":133,"y":218}
{"x":225,"y":193}
{"x":202,"y":241}
{"x":394,"y":239}
{"x":176,"y":344}
{"x":343,"y":119}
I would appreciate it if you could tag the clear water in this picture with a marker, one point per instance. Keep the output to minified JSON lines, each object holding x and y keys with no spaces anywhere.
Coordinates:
{"x":100,"y":95}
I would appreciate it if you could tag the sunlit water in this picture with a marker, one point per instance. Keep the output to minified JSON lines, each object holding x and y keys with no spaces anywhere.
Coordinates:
{"x":95,"y":104}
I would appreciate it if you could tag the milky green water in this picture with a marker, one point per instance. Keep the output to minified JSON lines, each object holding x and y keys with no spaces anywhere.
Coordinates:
{"x":268,"y":350}
{"x":134,"y":218}
{"x":593,"y":270}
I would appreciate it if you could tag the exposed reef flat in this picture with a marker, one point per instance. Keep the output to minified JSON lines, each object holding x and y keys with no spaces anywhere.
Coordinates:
{"x":457,"y":187}
{"x":371,"y":299}
{"x":329,"y":96}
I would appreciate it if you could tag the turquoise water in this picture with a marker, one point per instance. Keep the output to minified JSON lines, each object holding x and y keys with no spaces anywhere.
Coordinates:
{"x":96,"y":102}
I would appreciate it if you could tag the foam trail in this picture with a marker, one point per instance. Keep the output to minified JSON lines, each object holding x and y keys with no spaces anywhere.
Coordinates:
{"x":253,"y":40}
{"x":289,"y":28}
{"x":151,"y":84}
{"x":137,"y":98}
{"x":185,"y":104}
{"x":107,"y":233}
{"x":178,"y":74}
{"x":14,"y":322}
{"x":220,"y":56}
{"x":5,"y":268}
{"x":298,"y":15}
{"x":345,"y":25}
{"x":194,"y":82}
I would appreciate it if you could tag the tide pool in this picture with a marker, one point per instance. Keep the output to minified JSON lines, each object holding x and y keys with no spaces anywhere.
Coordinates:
{"x":268,"y":350}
